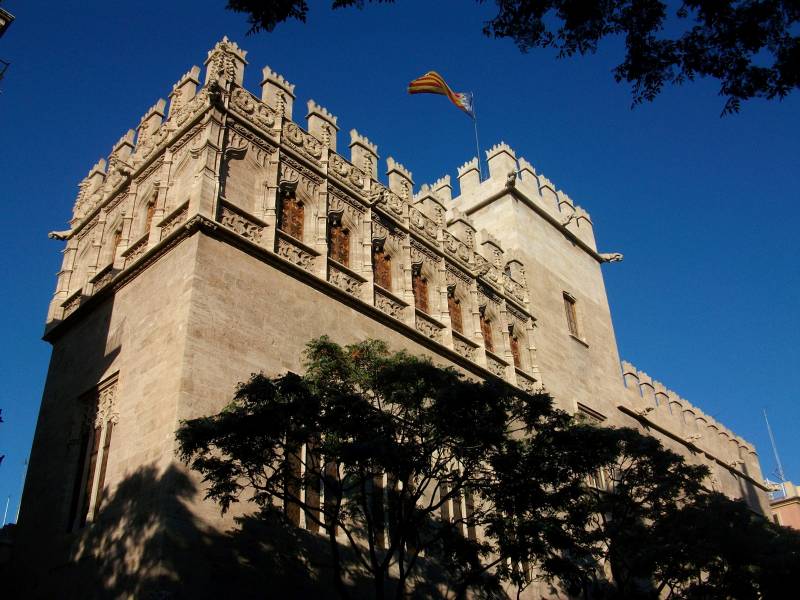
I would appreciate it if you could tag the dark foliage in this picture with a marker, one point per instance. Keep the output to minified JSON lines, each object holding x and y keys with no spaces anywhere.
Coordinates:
{"x":394,"y":444}
{"x":750,"y":46}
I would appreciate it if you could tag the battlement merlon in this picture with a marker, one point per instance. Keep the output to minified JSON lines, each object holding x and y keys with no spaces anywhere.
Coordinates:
{"x":653,"y":402}
{"x":151,"y":121}
{"x":363,"y":153}
{"x":322,"y":124}
{"x":401,"y":181}
{"x":443,"y":188}
{"x":225,"y":64}
{"x":184,"y":90}
{"x":277,"y":92}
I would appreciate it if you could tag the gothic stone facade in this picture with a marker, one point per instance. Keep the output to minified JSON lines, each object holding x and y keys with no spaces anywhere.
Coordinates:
{"x":218,"y":238}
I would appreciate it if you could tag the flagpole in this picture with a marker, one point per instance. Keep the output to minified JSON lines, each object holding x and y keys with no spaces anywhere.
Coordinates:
{"x":477,"y":143}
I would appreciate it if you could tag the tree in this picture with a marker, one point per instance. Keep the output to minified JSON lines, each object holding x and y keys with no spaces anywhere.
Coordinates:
{"x":403,"y":452}
{"x":420,"y":479}
{"x":750,"y":46}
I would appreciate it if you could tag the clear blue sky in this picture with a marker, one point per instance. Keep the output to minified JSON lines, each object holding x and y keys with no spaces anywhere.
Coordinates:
{"x":706,"y":210}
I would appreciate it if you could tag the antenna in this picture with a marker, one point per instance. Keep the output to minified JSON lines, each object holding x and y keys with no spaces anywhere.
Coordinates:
{"x":774,"y":448}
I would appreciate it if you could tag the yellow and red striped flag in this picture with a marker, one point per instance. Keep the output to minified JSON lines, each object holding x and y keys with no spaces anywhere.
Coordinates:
{"x":433,"y":83}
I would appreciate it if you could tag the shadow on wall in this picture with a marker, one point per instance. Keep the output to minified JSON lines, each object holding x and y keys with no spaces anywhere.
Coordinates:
{"x":147,"y":543}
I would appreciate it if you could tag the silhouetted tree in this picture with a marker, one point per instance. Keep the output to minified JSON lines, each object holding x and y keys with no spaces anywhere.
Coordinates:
{"x":751,"y":46}
{"x":422,"y":480}
{"x":402,"y":452}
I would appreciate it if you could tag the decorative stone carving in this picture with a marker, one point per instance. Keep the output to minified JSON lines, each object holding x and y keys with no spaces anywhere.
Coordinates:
{"x":72,"y":303}
{"x":203,"y":100}
{"x":463,"y":348}
{"x":428,"y":328}
{"x":240,"y":224}
{"x":516,"y":314}
{"x":254,"y":139}
{"x":526,"y":383}
{"x":107,"y":405}
{"x":422,"y":224}
{"x":495,"y":366}
{"x":133,"y":253}
{"x":344,"y":281}
{"x":305,"y":143}
{"x":340,"y":202}
{"x":174,"y":221}
{"x":388,"y":306}
{"x":453,"y":274}
{"x":346,"y":172}
{"x":455,"y":247}
{"x":244,"y":103}
{"x":103,"y":278}
{"x":291,"y":170}
{"x":295,"y":254}
{"x":513,"y":289}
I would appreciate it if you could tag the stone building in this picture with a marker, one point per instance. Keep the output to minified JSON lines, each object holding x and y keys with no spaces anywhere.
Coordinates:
{"x":221,"y":235}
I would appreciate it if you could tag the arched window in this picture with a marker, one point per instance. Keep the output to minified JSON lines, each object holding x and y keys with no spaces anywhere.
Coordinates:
{"x":420,"y":289}
{"x":339,"y":244}
{"x":292,"y":215}
{"x":486,"y":330}
{"x":382,"y":268}
{"x":454,"y":308}
{"x":514,"y":341}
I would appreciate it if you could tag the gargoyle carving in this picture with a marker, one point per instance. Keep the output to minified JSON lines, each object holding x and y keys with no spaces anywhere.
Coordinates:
{"x":611,"y":257}
{"x":60,"y":235}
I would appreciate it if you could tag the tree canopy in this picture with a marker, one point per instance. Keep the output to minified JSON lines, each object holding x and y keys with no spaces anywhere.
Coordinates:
{"x":751,"y":47}
{"x":424,"y":481}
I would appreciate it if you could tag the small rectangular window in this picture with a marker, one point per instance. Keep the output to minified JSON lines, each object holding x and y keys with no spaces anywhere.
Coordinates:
{"x":454,"y":308}
{"x":572,"y":315}
{"x":382,"y":269}
{"x":420,"y":289}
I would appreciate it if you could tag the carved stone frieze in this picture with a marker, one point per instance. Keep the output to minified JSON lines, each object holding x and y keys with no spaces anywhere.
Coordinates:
{"x":247,"y":105}
{"x":516,"y":314}
{"x":346,"y":172}
{"x":340,"y":202}
{"x":495,"y":366}
{"x":308,"y":180}
{"x":455,"y":247}
{"x":382,"y":196}
{"x":463,"y":348}
{"x":72,"y":303}
{"x":103,"y":278}
{"x":422,"y":223}
{"x":135,"y":252}
{"x":420,"y":253}
{"x":428,"y":328}
{"x":194,"y":107}
{"x":344,"y":281}
{"x":295,"y":254}
{"x":302,"y":141}
{"x":240,"y":224}
{"x":174,"y":221}
{"x":453,"y":275}
{"x":527,"y":383}
{"x":388,"y":305}
{"x":513,"y":289}
{"x":257,"y":141}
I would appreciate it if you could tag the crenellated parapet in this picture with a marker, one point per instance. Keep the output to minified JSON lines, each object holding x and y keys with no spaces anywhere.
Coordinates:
{"x":516,"y":176}
{"x":218,"y":154}
{"x":654,"y":404}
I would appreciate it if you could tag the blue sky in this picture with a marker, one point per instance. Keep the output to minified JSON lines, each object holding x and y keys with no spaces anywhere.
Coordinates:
{"x":705,"y":209}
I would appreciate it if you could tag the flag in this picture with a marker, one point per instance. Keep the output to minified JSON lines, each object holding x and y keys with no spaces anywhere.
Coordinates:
{"x":433,"y":83}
